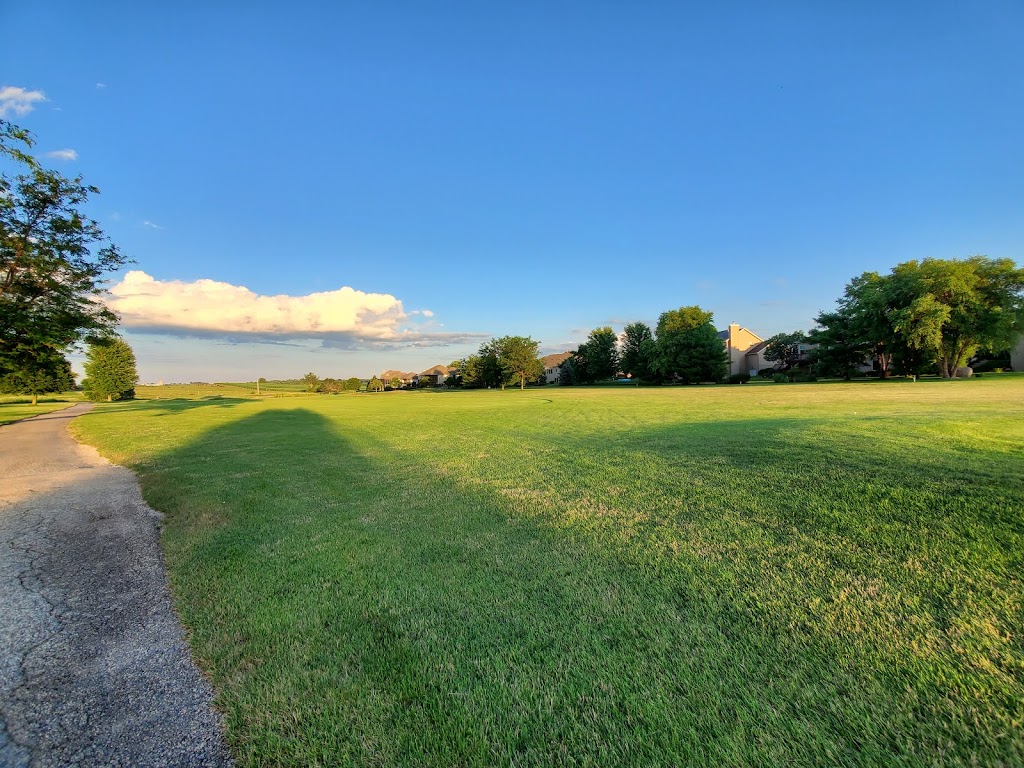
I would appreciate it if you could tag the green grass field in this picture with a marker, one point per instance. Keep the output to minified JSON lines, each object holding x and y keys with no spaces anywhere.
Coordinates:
{"x":18,"y":407}
{"x":810,"y":574}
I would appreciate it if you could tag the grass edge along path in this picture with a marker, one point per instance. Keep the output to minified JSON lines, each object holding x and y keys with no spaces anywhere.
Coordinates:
{"x":806,"y":575}
{"x":18,"y":409}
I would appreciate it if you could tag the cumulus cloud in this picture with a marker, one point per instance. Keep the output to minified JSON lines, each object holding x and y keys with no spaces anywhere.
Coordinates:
{"x":18,"y":100}
{"x":344,"y":318}
{"x":63,"y":154}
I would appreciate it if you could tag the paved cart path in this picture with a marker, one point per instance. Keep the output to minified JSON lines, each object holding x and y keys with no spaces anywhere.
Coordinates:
{"x":94,"y":669}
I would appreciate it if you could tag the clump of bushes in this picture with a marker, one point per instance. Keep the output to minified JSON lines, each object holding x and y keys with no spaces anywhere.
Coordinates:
{"x":739,"y":378}
{"x":780,"y":378}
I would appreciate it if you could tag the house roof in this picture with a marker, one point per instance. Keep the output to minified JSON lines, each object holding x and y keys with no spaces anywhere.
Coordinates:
{"x":723,"y":335}
{"x":396,"y":375}
{"x":756,"y":348}
{"x":437,"y":369}
{"x":553,"y":361}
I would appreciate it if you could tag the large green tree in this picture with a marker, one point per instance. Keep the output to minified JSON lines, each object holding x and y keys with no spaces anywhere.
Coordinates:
{"x":110,"y":370}
{"x":838,"y":350}
{"x":950,"y":307}
{"x":784,"y":349}
{"x":597,"y":358}
{"x":517,"y":358}
{"x":936,"y":311}
{"x":45,"y":372}
{"x":638,"y":351}
{"x":688,"y":347}
{"x":52,"y":259}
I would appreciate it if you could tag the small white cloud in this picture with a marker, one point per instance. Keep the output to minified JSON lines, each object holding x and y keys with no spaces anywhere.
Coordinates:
{"x":18,"y":100}
{"x":427,"y":313}
{"x":151,"y":225}
{"x":100,"y":86}
{"x":63,"y":154}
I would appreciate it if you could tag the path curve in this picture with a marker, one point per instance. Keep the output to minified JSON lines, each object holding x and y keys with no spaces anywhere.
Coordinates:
{"x":94,"y":668}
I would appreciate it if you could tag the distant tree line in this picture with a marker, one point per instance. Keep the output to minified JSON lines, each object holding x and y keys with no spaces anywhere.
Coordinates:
{"x":684,"y":347}
{"x":498,"y":363}
{"x":329,"y":386}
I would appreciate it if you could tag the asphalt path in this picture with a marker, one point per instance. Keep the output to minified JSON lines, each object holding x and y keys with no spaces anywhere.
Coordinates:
{"x":94,"y":667}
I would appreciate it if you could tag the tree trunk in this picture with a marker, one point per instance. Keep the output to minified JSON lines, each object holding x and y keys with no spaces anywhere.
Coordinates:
{"x":110,"y":399}
{"x":35,"y":399}
{"x":522,"y":381}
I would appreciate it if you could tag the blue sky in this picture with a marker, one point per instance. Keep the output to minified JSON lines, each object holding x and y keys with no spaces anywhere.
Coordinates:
{"x":515,"y":168}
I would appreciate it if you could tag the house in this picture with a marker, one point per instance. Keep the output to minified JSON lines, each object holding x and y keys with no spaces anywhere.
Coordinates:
{"x":745,"y":349}
{"x":405,"y":378}
{"x":1017,"y":356}
{"x":553,"y":366}
{"x":432,"y":377}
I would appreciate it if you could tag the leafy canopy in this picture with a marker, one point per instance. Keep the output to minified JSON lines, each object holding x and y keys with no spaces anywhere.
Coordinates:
{"x":110,"y":371}
{"x":52,"y":259}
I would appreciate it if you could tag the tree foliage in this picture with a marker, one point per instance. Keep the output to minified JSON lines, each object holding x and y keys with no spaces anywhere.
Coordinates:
{"x":375,"y":385}
{"x":783,"y":349}
{"x":597,"y":359}
{"x":110,"y":370}
{"x":688,"y":347}
{"x":517,"y":359}
{"x":42,"y":373}
{"x":327,"y":385}
{"x":933,"y":312}
{"x":837,"y":349}
{"x":52,"y":258}
{"x":312,"y":381}
{"x":638,"y":351}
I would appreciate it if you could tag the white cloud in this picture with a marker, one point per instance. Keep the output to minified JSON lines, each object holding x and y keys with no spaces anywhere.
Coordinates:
{"x":151,"y":225}
{"x":100,"y":86}
{"x":18,"y":100}
{"x":427,"y":313}
{"x":212,"y":308}
{"x":63,"y":154}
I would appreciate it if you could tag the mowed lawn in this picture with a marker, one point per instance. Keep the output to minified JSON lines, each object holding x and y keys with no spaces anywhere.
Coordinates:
{"x":762,"y":575}
{"x":17,"y":407}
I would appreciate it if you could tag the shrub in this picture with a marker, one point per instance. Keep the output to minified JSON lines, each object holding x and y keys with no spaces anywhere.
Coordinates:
{"x":805,"y":378}
{"x":780,"y":378}
{"x":739,"y":378}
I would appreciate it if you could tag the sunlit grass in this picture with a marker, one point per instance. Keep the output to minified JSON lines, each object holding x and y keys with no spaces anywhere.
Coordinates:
{"x":17,"y":407}
{"x":770,"y":575}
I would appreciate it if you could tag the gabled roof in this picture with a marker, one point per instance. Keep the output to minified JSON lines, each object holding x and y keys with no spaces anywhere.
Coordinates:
{"x":436,"y":370}
{"x":555,"y":360}
{"x":723,"y":335}
{"x":396,"y":375}
{"x":756,"y":348}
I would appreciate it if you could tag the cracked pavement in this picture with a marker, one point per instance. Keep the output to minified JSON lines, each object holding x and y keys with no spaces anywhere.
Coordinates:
{"x":94,"y":667}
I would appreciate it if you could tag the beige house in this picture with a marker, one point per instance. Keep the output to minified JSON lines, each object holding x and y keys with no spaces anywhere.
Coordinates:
{"x":746,"y":350}
{"x":553,"y":366}
{"x":1017,"y":356}
{"x":405,"y":378}
{"x":435,"y":377}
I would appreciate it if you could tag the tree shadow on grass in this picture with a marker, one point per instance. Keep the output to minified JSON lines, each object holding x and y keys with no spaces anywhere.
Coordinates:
{"x":356,"y":601}
{"x":182,"y":404}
